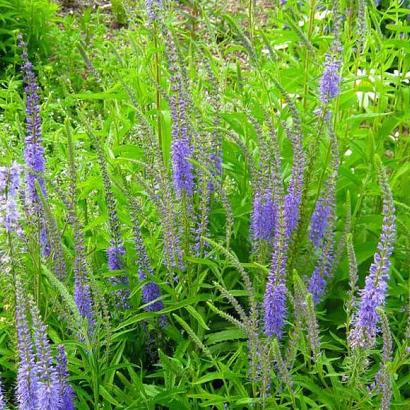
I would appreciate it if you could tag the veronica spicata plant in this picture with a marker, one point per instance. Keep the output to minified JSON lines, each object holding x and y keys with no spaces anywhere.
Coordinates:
{"x":228,"y":202}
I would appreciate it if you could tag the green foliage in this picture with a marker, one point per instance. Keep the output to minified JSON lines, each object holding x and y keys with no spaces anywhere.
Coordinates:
{"x":118,"y":10}
{"x":35,"y":19}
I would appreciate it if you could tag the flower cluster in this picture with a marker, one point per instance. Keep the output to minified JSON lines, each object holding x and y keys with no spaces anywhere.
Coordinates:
{"x":66,"y":391}
{"x":330,"y":81}
{"x":38,"y":381}
{"x":82,"y":291}
{"x":293,"y":198}
{"x":263,"y":216}
{"x":373,"y":296}
{"x":116,"y":251}
{"x":2,"y":399}
{"x":34,"y":150}
{"x":275,"y":294}
{"x":181,"y":140}
{"x":9,"y":188}
{"x":153,"y":8}
{"x":150,"y":291}
{"x":319,"y":222}
{"x":322,"y":232}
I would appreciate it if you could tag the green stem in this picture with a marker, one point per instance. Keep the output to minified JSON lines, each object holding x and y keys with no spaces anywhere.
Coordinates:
{"x":308,"y":53}
{"x":251,"y":17}
{"x":158,"y":93}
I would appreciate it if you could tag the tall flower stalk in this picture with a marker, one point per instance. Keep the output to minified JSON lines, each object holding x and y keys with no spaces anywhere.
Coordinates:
{"x":293,"y":198}
{"x":66,"y":391}
{"x":9,"y":190}
{"x":264,"y":207}
{"x":27,"y":374}
{"x":274,"y":302}
{"x":181,"y":139}
{"x":34,"y":150}
{"x":82,"y":290}
{"x":48,"y":386}
{"x":2,"y":398}
{"x":153,"y":9}
{"x":330,"y":81}
{"x":150,"y":290}
{"x":373,"y":295}
{"x":116,"y":250}
{"x":323,"y":229}
{"x":160,"y":191}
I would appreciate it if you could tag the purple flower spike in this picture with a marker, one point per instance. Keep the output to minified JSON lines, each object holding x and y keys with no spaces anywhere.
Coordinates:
{"x":2,"y":399}
{"x":274,"y":302}
{"x":153,"y":8}
{"x":83,"y":300}
{"x":27,"y":375}
{"x":323,"y":225}
{"x":150,"y":294}
{"x":150,"y":291}
{"x":373,"y":296}
{"x":66,"y":391}
{"x":48,"y":388}
{"x":115,"y":255}
{"x":9,"y":187}
{"x":319,"y":222}
{"x":275,"y":309}
{"x":330,"y":82}
{"x":181,"y":141}
{"x":44,"y":242}
{"x":182,"y":168}
{"x":263,"y":216}
{"x":317,"y":283}
{"x":292,"y":204}
{"x":34,"y":151}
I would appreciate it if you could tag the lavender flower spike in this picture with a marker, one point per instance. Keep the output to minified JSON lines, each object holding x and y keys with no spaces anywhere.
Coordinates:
{"x":293,"y":198}
{"x":325,"y":263}
{"x":82,"y":292}
{"x":319,"y":222}
{"x":34,"y":151}
{"x":48,"y":390}
{"x":116,"y":250}
{"x":275,"y":294}
{"x":27,"y":378}
{"x":2,"y":399}
{"x":373,"y":296}
{"x":182,"y":168}
{"x":9,"y":186}
{"x":330,"y":81}
{"x":181,"y":143}
{"x":82,"y":297}
{"x":150,"y":291}
{"x":12,"y":214}
{"x":66,"y":391}
{"x":115,"y":254}
{"x":153,"y":8}
{"x":263,"y":216}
